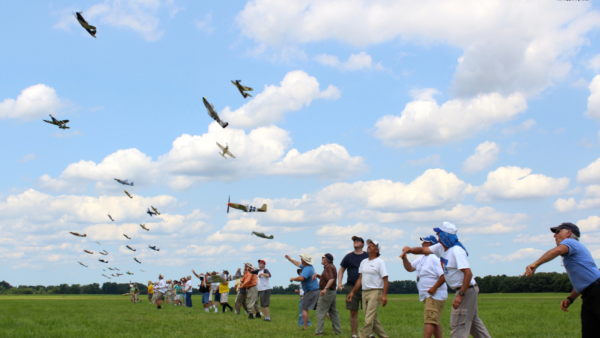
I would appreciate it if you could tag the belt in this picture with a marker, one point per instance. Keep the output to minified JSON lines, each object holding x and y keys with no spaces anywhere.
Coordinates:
{"x":590,"y":287}
{"x":470,"y":287}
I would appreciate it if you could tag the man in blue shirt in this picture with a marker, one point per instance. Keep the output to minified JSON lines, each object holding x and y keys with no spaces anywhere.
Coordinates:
{"x":310,"y":286}
{"x":351,"y":263}
{"x":583,"y":274}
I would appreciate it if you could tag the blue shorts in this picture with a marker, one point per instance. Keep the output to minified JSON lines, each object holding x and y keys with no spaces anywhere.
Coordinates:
{"x":205,"y":298}
{"x":217,"y":297}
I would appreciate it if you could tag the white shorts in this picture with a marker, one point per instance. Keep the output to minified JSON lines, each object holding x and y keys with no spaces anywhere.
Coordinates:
{"x":177,"y":297}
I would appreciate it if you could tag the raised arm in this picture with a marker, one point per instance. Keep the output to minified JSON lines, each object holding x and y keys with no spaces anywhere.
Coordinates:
{"x":407,"y":264}
{"x":194,"y":272}
{"x":295,"y":262}
{"x":415,"y":251}
{"x":547,"y":257}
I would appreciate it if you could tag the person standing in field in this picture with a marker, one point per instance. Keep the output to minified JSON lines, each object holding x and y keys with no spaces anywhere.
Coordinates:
{"x":159,"y":293}
{"x":429,"y":271}
{"x":249,"y":282}
{"x":177,"y":290}
{"x":136,"y":293}
{"x":215,"y":287}
{"x":583,"y":274}
{"x":351,"y":262}
{"x":300,"y":292}
{"x":310,"y":286}
{"x":373,"y":279}
{"x":327,"y":303}
{"x":264,"y":288}
{"x":240,"y":299}
{"x":464,"y":319}
{"x":188,"y":291}
{"x":132,"y":291}
{"x":150,"y":292}
{"x":224,"y":292}
{"x":170,"y":296}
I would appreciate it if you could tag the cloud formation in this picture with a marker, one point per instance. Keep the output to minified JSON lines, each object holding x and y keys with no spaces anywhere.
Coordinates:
{"x":519,"y":183}
{"x":485,"y":155}
{"x":355,"y":62}
{"x":34,"y":102}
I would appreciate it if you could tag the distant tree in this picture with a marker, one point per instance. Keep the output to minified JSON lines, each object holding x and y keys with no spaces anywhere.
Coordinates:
{"x":5,"y":285}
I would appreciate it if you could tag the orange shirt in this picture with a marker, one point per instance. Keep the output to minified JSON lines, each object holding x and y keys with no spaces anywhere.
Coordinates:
{"x":249,"y":280}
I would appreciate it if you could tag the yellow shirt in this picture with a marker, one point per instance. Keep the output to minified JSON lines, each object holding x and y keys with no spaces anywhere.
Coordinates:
{"x":224,"y":287}
{"x":150,"y":289}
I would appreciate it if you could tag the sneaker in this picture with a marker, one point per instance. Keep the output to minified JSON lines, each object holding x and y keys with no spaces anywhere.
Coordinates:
{"x":216,"y":310}
{"x":250,"y":316}
{"x":267,"y":320}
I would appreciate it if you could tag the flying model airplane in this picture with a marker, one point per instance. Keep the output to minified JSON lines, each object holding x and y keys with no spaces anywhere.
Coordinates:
{"x":126,"y":236}
{"x":130,"y":248}
{"x":225,"y":151}
{"x":142,"y":270}
{"x":89,"y":28}
{"x":245,"y":208}
{"x":103,"y":261}
{"x":129,"y":273}
{"x":82,"y":264}
{"x":111,"y":269}
{"x":98,"y":243}
{"x":128,"y":194}
{"x":261,"y":235}
{"x":151,"y":213}
{"x":242,"y":89}
{"x":112,"y":274}
{"x":91,"y":253}
{"x":102,"y":253}
{"x":117,"y":269}
{"x":124,"y":182}
{"x":62,"y":124}
{"x":105,"y":275}
{"x":144,"y":227}
{"x":119,"y":274}
{"x":212,"y":113}
{"x":135,"y":259}
{"x":153,"y":248}
{"x":78,"y":234}
{"x":105,"y":251}
{"x":155,"y":211}
{"x":109,"y":216}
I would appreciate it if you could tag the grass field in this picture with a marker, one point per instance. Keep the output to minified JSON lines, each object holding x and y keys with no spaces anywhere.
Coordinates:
{"x":507,"y":315}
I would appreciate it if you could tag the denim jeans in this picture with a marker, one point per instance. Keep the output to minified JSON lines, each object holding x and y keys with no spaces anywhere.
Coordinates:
{"x":188,"y":299}
{"x":300,"y":321}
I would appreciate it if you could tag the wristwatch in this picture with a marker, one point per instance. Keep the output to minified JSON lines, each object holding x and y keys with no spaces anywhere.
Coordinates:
{"x":571,"y":299}
{"x":462,"y":294}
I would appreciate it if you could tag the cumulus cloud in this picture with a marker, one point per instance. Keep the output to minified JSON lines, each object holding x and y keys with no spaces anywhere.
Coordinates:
{"x":544,"y":239}
{"x":519,"y":183}
{"x":423,"y":122}
{"x":485,"y":155}
{"x":589,"y":224}
{"x":493,"y":229}
{"x":33,"y":102}
{"x":590,"y":174}
{"x":336,"y":236}
{"x":564,"y":205}
{"x":593,"y":106}
{"x":296,"y":90}
{"x":519,"y":255}
{"x":358,"y":61}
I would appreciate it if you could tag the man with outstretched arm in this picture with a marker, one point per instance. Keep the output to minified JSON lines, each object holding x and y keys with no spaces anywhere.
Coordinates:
{"x":583,"y":274}
{"x":310,"y":286}
{"x":264,"y":288}
{"x":240,"y":299}
{"x":464,"y":318}
{"x":351,"y":263}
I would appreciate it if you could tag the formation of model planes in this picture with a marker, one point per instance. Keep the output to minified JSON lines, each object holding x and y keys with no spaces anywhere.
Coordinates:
{"x":225,"y":151}
{"x":261,"y":235}
{"x":62,"y":124}
{"x":124,"y":182}
{"x":242,"y":89}
{"x":245,"y":208}
{"x":89,"y":28}
{"x":213,"y":113}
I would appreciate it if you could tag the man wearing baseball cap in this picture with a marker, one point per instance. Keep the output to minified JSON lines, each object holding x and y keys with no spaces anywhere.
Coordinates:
{"x":310,"y":286}
{"x":264,"y":288}
{"x":464,"y":319}
{"x":583,"y":274}
{"x":351,"y":262}
{"x":373,"y":279}
{"x":327,"y":303}
{"x":429,"y":271}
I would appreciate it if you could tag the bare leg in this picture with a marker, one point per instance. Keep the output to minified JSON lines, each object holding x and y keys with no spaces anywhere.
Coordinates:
{"x":266,"y":312}
{"x":305,"y":318}
{"x":429,"y":330}
{"x":354,"y":321}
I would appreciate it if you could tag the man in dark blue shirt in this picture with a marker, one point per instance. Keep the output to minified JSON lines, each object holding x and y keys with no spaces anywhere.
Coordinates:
{"x":351,"y":262}
{"x":583,"y":274}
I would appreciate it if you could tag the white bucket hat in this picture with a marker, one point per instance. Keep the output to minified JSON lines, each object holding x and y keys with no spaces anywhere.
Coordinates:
{"x":307,"y":258}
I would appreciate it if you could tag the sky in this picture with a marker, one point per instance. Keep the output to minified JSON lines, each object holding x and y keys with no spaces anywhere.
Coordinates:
{"x":375,"y":118}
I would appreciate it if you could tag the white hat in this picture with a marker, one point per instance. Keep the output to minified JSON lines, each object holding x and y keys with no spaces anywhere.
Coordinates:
{"x":446,"y":227}
{"x":369,"y":241}
{"x":307,"y":258}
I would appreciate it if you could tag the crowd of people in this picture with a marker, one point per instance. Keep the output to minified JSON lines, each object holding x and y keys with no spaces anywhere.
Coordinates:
{"x":443,"y":265}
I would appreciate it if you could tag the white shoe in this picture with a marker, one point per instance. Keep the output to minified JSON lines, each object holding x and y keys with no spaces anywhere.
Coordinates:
{"x":216,"y":310}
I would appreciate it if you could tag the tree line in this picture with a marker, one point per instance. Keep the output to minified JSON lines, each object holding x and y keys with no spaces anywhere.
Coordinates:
{"x":540,"y":282}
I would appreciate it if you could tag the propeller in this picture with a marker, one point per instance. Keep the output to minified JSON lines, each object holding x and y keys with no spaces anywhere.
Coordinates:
{"x":228,"y":203}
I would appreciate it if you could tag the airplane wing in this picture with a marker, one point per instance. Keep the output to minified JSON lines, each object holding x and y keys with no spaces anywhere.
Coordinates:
{"x":247,"y":88}
{"x":220,"y":146}
{"x":49,"y":122}
{"x":230,"y":154}
{"x":64,"y":121}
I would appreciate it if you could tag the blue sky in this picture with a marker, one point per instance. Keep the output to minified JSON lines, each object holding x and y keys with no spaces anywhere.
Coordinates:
{"x":382,"y":121}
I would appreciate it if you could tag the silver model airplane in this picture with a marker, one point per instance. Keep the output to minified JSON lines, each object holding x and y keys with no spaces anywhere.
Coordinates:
{"x":261,"y":235}
{"x":245,"y":208}
{"x":98,"y":243}
{"x":89,"y":28}
{"x":153,"y":248}
{"x":124,"y":182}
{"x":242,"y":89}
{"x":82,"y":264}
{"x":109,"y":216}
{"x":130,"y":248}
{"x":225,"y":151}
{"x":117,"y":269}
{"x":105,"y":276}
{"x":142,"y":270}
{"x":212,"y":113}
{"x":119,"y":274}
{"x":62,"y":124}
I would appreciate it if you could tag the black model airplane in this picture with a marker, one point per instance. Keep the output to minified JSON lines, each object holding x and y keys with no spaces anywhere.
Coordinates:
{"x":135,"y":259}
{"x":153,"y":248}
{"x":62,"y":124}
{"x":103,"y":261}
{"x":151,"y":213}
{"x":89,"y":28}
{"x":242,"y":89}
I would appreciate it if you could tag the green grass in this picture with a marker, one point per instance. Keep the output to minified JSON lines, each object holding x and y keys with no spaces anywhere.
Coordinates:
{"x":507,"y":315}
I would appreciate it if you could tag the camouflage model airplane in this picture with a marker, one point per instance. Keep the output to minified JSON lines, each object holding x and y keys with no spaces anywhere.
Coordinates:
{"x":261,"y":235}
{"x":111,"y":269}
{"x":128,"y":194}
{"x":89,"y":28}
{"x":242,"y":89}
{"x":78,"y":234}
{"x":144,"y":227}
{"x":212,"y":113}
{"x":126,"y":236}
{"x":102,"y":253}
{"x":135,"y":259}
{"x":130,"y":248}
{"x":109,"y":216}
{"x":119,"y":274}
{"x":62,"y":124}
{"x":124,"y":182}
{"x":103,"y":261}
{"x":129,"y":273}
{"x":91,"y":253}
{"x":225,"y":151}
{"x":155,"y":211}
{"x":245,"y":208}
{"x":153,"y":248}
{"x":112,"y":274}
{"x":151,"y":213}
{"x":82,"y":264}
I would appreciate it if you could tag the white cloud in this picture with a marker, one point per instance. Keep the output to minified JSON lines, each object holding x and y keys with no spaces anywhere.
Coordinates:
{"x":494,"y":229}
{"x":594,"y":99}
{"x":589,"y":224}
{"x":485,"y":155}
{"x":521,"y":128}
{"x":296,"y":90}
{"x":594,"y":62}
{"x":358,"y":61}
{"x":205,"y":24}
{"x":590,"y":174}
{"x":591,"y":198}
{"x":423,"y":122}
{"x":519,"y":255}
{"x":544,"y":239}
{"x":33,"y":102}
{"x":519,"y":183}
{"x":563,"y":205}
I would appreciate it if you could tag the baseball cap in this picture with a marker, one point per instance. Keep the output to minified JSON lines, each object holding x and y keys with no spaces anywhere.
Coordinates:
{"x":356,"y":238}
{"x":374,"y":242}
{"x":569,"y":226}
{"x":446,"y":227}
{"x":262,"y":261}
{"x":328,"y":256}
{"x":430,"y":239}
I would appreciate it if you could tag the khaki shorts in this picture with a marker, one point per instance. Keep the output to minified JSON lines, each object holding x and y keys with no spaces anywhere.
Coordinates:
{"x":224,"y":297}
{"x":150,"y":295}
{"x":356,"y":300}
{"x":159,"y":296}
{"x":132,"y":297}
{"x":433,"y":311}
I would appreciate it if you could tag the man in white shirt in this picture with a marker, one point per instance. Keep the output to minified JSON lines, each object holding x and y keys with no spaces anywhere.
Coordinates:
{"x":429,"y":271}
{"x":264,"y":288}
{"x":188,"y":292}
{"x":373,"y":279}
{"x":159,"y":291}
{"x":464,"y":319}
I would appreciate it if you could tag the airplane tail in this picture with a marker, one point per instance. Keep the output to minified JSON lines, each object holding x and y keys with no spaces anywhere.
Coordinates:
{"x":263,"y":208}
{"x":132,"y":184}
{"x":224,"y":124}
{"x":223,"y":155}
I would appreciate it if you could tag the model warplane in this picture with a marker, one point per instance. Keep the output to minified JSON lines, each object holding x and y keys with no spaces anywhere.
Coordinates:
{"x":129,"y":273}
{"x":126,"y":236}
{"x":245,"y":208}
{"x":225,"y":151}
{"x":155,"y":211}
{"x":105,"y":251}
{"x":111,"y":269}
{"x":135,"y":259}
{"x":90,"y":252}
{"x":130,"y":248}
{"x":78,"y":234}
{"x":102,"y":253}
{"x":128,"y":194}
{"x":82,"y":264}
{"x":261,"y":235}
{"x":109,"y":216}
{"x":153,"y":248}
{"x":117,"y":269}
{"x":105,"y":275}
{"x":151,"y":213}
{"x":89,"y":28}
{"x":142,"y":270}
{"x":98,"y":243}
{"x":144,"y":227}
{"x":103,"y":261}
{"x":242,"y":89}
{"x":119,"y":274}
{"x":124,"y":182}
{"x":212,"y":113}
{"x":62,"y":124}
{"x":112,"y":274}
